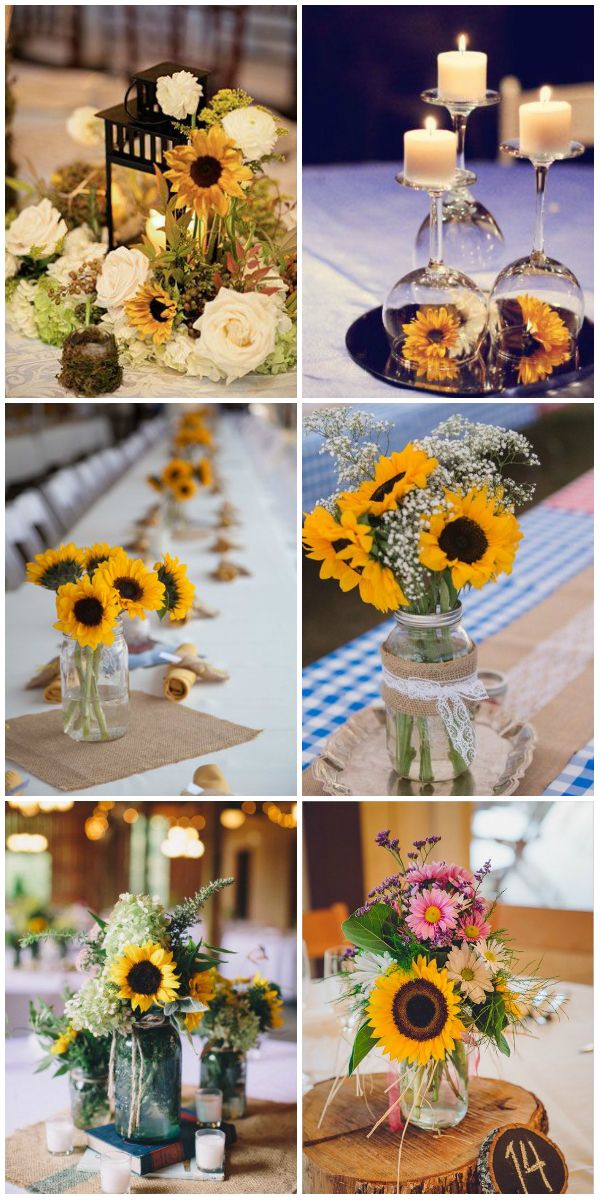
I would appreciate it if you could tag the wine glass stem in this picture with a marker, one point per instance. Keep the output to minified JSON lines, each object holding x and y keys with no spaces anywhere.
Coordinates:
{"x":541,"y":173}
{"x":435,"y":231}
{"x":459,"y":121}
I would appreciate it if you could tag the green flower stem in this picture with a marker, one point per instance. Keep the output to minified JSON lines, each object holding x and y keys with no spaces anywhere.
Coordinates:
{"x":404,"y":751}
{"x":95,"y":666}
{"x":69,"y":714}
{"x":425,"y":769}
{"x":87,"y":691}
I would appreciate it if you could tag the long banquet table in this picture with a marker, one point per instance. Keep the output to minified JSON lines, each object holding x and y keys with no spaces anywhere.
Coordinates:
{"x":254,"y":636}
{"x":557,"y":549}
{"x":359,"y":232}
{"x":552,"y":1060}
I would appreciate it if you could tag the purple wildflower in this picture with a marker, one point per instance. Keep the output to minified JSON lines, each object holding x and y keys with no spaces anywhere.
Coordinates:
{"x":383,"y":838}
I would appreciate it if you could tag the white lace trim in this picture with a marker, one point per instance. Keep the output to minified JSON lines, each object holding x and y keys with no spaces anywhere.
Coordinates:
{"x":449,"y":699}
{"x":539,"y":677}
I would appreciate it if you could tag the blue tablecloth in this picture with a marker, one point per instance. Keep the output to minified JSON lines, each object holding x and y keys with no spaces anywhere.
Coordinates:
{"x":359,"y":233}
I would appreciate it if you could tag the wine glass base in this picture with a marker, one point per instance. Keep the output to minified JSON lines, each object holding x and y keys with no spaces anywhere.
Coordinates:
{"x":473,"y":241}
{"x":435,"y":320}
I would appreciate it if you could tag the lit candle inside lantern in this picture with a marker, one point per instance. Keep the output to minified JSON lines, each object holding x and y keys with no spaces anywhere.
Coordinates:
{"x":429,"y":155}
{"x":155,"y":230}
{"x":59,"y":1136}
{"x":545,"y":125}
{"x":462,"y":73}
{"x":210,"y":1149}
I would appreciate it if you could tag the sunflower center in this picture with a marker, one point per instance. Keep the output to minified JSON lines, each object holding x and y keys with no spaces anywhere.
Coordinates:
{"x":436,"y":335}
{"x":88,"y":611}
{"x":158,"y":310}
{"x":384,"y":489}
{"x":419,"y":1010}
{"x":463,"y":539}
{"x":206,"y":171}
{"x":128,"y":588}
{"x":95,"y":562}
{"x":530,"y":345}
{"x":144,"y":978}
{"x":432,"y":914}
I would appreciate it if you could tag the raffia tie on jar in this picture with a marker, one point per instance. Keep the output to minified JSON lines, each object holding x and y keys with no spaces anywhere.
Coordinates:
{"x":438,"y":689}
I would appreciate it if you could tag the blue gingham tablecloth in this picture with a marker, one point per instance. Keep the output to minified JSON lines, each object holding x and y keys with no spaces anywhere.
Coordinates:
{"x":410,"y":421}
{"x":556,"y":546}
{"x":359,"y":230}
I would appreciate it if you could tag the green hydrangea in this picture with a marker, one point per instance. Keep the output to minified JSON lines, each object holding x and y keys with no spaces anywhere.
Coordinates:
{"x":97,"y":1008}
{"x":283,"y":357}
{"x":10,"y":287}
{"x":54,"y":321}
{"x":133,"y":921}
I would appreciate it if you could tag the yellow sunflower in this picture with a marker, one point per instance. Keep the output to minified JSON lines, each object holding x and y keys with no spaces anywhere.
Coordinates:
{"x":152,"y":312}
{"x":63,"y":1041}
{"x":378,"y":586}
{"x":55,"y":567}
{"x":138,"y":589}
{"x":87,"y":611}
{"x":179,"y":592}
{"x":338,"y":545}
{"x":202,"y":987}
{"x":185,"y":489}
{"x":414,"y":1013}
{"x":547,"y":342}
{"x":145,"y":975}
{"x":512,"y":1005}
{"x":98,"y":553}
{"x":476,"y":539}
{"x":394,"y":477}
{"x":193,"y":435}
{"x":204,"y":472}
{"x":205,"y":173}
{"x":175,"y":471}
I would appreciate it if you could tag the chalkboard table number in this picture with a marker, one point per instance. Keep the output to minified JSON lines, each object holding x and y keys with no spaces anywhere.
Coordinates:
{"x":518,"y":1160}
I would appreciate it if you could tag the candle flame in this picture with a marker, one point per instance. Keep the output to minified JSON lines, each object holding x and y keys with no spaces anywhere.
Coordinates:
{"x":430,"y":124}
{"x":462,"y":42}
{"x":545,"y":94}
{"x":157,"y":218}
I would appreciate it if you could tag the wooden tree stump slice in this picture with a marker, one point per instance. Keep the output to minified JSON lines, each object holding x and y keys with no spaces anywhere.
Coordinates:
{"x":339,"y":1158}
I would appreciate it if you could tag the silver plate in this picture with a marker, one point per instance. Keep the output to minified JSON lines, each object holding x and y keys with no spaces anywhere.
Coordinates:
{"x":355,"y":760}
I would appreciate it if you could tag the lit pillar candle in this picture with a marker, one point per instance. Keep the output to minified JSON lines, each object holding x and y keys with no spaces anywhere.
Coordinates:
{"x":462,"y":73}
{"x":545,"y":125}
{"x":210,"y":1149}
{"x":59,"y":1136}
{"x":155,"y":230}
{"x":429,"y":155}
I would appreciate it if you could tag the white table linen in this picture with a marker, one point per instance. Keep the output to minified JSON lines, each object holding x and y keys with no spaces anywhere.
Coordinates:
{"x":548,"y":1061}
{"x":254,"y":637}
{"x":256,"y":947}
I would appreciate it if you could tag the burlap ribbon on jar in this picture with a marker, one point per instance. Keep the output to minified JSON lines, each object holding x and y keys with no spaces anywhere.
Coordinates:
{"x":441,"y":689}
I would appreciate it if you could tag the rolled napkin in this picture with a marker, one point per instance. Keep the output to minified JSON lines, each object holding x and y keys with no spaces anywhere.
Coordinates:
{"x":139,"y":544}
{"x":14,"y":783}
{"x":226,"y":571}
{"x":53,"y":692}
{"x":44,"y":675}
{"x":208,"y":780}
{"x":222,"y":545}
{"x":197,"y":611}
{"x":182,"y":676}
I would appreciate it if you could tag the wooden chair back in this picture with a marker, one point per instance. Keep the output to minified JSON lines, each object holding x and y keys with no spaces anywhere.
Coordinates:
{"x":322,"y":928}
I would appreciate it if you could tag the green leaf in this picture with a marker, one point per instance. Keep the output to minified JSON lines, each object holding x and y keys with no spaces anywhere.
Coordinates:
{"x":103,"y":924}
{"x":366,"y":930}
{"x":363,"y":1043}
{"x":19,"y":185}
{"x":502,"y":1044}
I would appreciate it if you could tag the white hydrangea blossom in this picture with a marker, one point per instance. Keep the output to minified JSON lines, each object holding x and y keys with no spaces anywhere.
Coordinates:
{"x":240,"y":1030}
{"x":20,"y":313}
{"x":135,"y":920}
{"x":97,"y":1009}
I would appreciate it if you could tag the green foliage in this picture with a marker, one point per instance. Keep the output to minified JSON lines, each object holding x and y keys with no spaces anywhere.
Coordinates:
{"x":186,"y":913}
{"x":224,"y":101}
{"x":364,"y":1042}
{"x":55,"y":319}
{"x":86,"y":1051}
{"x":367,"y":930}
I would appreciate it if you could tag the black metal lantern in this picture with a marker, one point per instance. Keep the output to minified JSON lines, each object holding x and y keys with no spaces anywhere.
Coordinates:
{"x":137,"y":132}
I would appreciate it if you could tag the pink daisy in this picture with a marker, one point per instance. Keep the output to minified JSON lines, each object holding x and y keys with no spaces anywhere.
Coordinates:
{"x":431,"y":912}
{"x":431,"y":872}
{"x":458,"y":875}
{"x":474,"y":927}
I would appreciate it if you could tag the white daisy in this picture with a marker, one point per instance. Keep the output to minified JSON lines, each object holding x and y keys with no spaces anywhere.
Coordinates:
{"x":368,"y":967}
{"x":466,"y":968}
{"x":495,"y":953}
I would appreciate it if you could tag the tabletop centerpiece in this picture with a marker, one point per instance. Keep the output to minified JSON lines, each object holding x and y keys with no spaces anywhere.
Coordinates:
{"x":95,"y":588}
{"x":430,"y":983}
{"x":205,"y":282}
{"x":84,"y":1056}
{"x":412,"y":531}
{"x":147,"y":987}
{"x":238,"y":1012}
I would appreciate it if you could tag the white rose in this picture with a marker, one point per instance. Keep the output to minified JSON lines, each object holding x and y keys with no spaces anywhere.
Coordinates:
{"x":238,"y":330}
{"x":85,"y":127}
{"x":20,"y":312}
{"x":11,"y":265}
{"x":77,"y":239}
{"x":253,"y":130}
{"x":39,"y":227}
{"x":124,"y":271}
{"x":178,"y":94}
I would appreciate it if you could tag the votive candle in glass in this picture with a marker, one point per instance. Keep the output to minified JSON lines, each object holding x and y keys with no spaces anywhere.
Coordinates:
{"x":115,"y":1173}
{"x":429,"y":155}
{"x":210,"y":1149}
{"x":462,"y":73}
{"x":545,"y":125}
{"x":59,"y":1135}
{"x":209,"y":1106}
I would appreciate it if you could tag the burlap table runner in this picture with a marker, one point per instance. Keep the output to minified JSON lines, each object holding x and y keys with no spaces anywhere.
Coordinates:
{"x":442,"y":672}
{"x":262,"y":1160}
{"x":159,"y":733}
{"x":566,"y":722}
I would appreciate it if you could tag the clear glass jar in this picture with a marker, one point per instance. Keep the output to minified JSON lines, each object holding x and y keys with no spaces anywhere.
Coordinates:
{"x":89,"y":1098}
{"x":420,"y":746}
{"x":224,"y":1068}
{"x":436,"y":1097}
{"x":95,"y":689}
{"x":148,"y":1082}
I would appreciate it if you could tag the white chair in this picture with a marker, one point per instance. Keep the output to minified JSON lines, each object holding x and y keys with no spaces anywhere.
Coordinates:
{"x":64,"y":495}
{"x":21,"y":535}
{"x":14,"y":570}
{"x":579,"y":95}
{"x":36,"y":512}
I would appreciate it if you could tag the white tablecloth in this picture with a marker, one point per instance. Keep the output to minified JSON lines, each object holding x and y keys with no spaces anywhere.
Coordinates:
{"x":271,"y":952}
{"x":20,"y":984}
{"x":548,"y":1061}
{"x":254,"y":637}
{"x":271,"y":1076}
